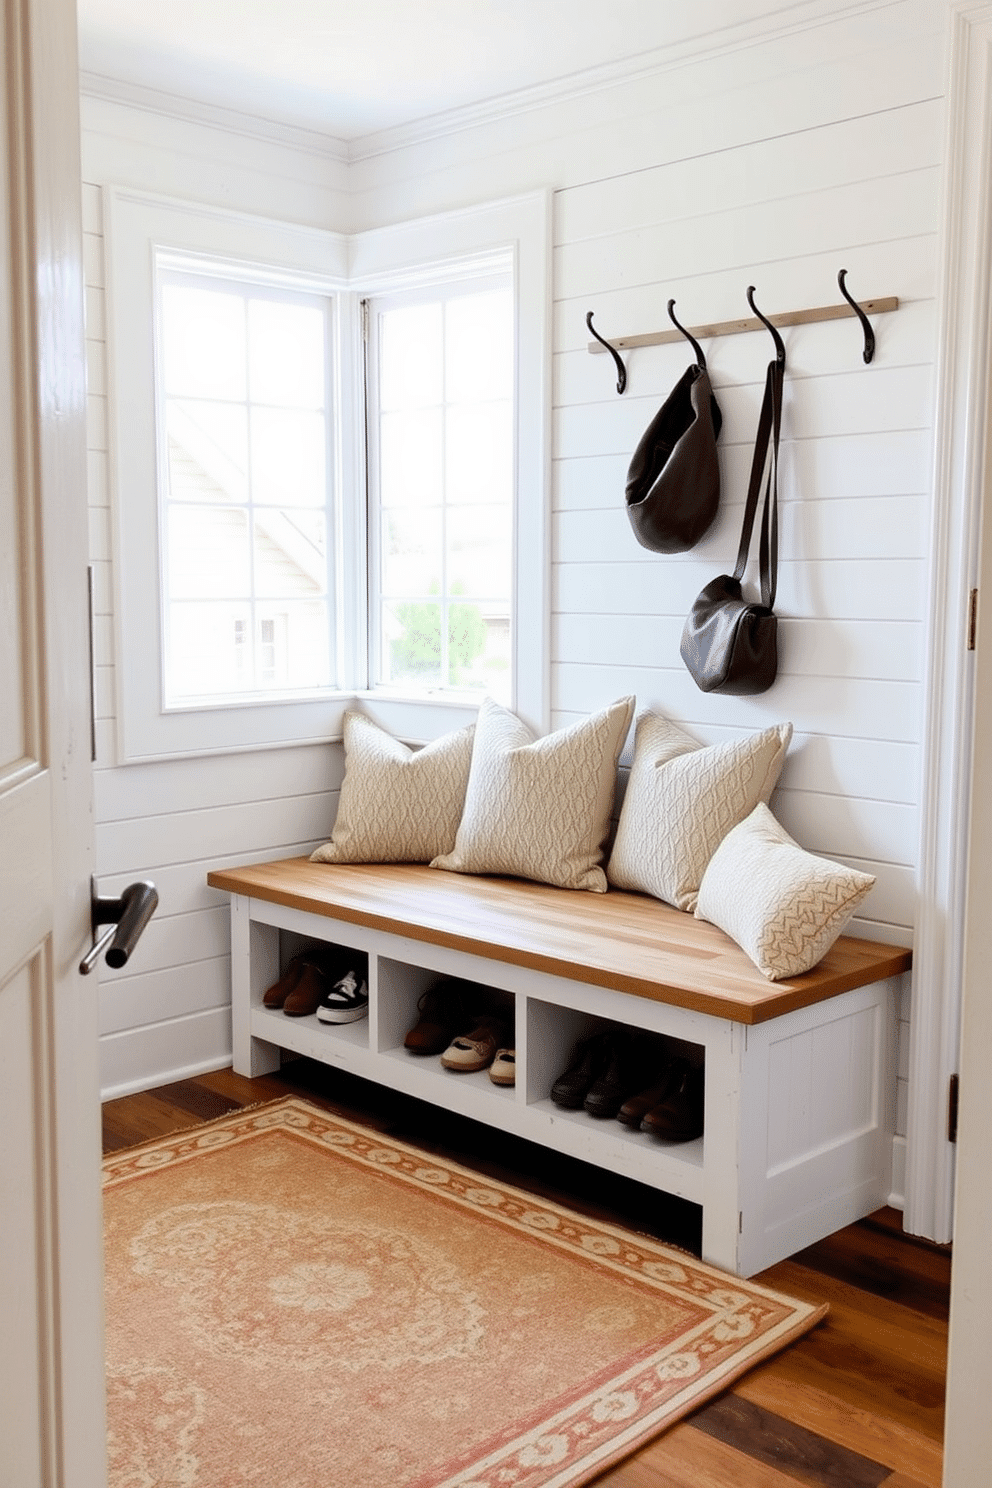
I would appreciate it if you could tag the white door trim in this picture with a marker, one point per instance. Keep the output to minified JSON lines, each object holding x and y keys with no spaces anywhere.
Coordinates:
{"x":962,"y":361}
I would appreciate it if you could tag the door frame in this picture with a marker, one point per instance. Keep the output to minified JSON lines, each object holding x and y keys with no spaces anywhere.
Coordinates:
{"x":963,"y":357}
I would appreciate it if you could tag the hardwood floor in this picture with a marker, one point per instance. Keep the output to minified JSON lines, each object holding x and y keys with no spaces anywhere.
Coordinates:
{"x":856,"y":1403}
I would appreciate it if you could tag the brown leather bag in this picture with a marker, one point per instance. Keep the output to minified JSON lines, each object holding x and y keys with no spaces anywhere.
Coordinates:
{"x":673,"y":483}
{"x":730,"y":644}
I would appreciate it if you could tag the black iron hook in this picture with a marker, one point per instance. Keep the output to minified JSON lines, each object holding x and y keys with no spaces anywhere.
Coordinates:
{"x":779,"y":343}
{"x":869,"y":350}
{"x":618,"y":359}
{"x":688,"y":336}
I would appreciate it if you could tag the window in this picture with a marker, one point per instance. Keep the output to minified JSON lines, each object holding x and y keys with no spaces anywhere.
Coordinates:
{"x":258,"y":589}
{"x":245,"y":488}
{"x":451,"y":261}
{"x":441,"y":484}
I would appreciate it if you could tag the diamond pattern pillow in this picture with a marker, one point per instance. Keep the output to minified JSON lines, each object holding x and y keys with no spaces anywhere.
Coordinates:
{"x":681,"y":802}
{"x":397,"y":805}
{"x":783,"y":906}
{"x":540,"y":808}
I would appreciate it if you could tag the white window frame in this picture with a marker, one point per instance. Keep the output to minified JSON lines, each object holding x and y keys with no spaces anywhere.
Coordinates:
{"x":137,"y":225}
{"x":435,"y":250}
{"x":476,"y":276}
{"x":199,"y":273}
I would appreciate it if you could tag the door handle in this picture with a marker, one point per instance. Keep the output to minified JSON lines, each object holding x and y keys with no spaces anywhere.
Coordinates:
{"x":125,"y":919}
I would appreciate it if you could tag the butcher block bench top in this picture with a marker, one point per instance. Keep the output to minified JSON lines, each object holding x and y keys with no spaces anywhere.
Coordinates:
{"x":627,"y":942}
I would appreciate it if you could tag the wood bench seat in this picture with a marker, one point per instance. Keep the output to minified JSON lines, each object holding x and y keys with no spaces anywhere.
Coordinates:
{"x":627,"y":942}
{"x":799,"y":1075}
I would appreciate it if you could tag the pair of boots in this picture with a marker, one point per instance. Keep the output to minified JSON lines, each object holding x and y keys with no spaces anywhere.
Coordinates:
{"x":616,"y":1073}
{"x":671,"y":1107}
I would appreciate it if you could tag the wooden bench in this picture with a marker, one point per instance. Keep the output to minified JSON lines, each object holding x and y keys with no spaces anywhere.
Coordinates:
{"x":800,"y":1075}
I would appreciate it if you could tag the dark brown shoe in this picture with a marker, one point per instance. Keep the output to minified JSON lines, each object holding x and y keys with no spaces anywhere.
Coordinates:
{"x":588,"y":1062}
{"x":306,"y":995}
{"x":280,"y":990}
{"x":629,"y":1065}
{"x":444,"y":1010}
{"x":634,"y":1110}
{"x":679,"y":1117}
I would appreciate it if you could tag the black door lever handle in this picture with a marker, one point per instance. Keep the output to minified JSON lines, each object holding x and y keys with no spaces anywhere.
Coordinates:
{"x":125,"y":919}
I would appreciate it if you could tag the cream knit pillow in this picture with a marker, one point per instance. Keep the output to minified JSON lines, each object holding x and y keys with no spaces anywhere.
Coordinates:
{"x":783,"y":906}
{"x":681,"y":802}
{"x":397,"y":805}
{"x":540,"y":808}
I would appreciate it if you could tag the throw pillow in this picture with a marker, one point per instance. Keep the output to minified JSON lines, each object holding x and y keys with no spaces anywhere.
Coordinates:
{"x":397,"y":805}
{"x":783,"y":906}
{"x":681,"y":802}
{"x":540,"y":808}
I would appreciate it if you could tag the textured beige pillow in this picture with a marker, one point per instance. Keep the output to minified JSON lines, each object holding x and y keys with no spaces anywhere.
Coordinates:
{"x":540,"y":808}
{"x":783,"y":906}
{"x":397,"y":805}
{"x":681,"y":802}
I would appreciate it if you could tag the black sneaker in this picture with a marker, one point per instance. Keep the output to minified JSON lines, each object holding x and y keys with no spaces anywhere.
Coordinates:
{"x":346,"y":1001}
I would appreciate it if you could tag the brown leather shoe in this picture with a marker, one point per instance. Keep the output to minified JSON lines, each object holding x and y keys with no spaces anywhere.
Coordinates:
{"x":634,"y":1110}
{"x":280,"y":990}
{"x":305,"y":996}
{"x":630,"y":1064}
{"x":320,"y":968}
{"x":443,"y":1009}
{"x":679,"y":1117}
{"x":587,"y":1063}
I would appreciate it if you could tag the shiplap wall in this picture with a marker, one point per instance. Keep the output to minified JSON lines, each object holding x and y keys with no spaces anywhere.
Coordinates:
{"x":168,"y":1012}
{"x":775,"y":164}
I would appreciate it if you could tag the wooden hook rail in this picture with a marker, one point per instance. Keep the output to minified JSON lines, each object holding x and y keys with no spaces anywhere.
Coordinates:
{"x":750,"y":323}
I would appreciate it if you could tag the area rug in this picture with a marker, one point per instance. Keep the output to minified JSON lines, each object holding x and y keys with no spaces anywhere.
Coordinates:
{"x":295,"y":1299}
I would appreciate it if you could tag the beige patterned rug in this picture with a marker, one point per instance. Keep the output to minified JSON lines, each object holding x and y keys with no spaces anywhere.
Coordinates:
{"x":295,"y":1299}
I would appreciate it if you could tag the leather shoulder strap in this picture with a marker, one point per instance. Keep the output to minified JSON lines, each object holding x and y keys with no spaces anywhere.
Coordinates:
{"x":765,"y":454}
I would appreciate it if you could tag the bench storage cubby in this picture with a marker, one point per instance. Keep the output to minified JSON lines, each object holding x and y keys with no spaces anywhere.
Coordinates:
{"x":799,"y":1075}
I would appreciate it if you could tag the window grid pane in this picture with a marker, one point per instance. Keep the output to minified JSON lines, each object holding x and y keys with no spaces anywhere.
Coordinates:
{"x":445,"y":493}
{"x":244,"y":412}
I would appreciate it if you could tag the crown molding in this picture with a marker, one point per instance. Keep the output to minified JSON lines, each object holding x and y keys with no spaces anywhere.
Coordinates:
{"x":801,"y":15}
{"x":213,"y":115}
{"x":804,"y":15}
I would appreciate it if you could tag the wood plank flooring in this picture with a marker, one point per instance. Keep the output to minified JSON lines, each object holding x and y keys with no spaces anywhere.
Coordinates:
{"x":857,"y":1403}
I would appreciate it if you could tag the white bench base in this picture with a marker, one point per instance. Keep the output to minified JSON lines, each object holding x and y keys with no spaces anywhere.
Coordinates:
{"x":799,"y":1109}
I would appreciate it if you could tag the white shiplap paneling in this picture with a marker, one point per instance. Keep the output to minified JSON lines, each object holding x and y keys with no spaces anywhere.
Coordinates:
{"x":168,"y":1012}
{"x":774,"y":164}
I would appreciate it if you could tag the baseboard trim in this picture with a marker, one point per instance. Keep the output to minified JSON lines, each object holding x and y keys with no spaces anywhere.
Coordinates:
{"x":166,"y":1077}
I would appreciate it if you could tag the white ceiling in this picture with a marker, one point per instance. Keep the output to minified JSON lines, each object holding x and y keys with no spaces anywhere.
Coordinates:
{"x":354,"y":67}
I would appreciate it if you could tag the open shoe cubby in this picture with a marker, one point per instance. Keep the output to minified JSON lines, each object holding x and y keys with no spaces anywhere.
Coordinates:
{"x":798,"y":1113}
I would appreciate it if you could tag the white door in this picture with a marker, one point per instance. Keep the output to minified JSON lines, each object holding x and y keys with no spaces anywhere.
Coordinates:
{"x":52,"y":1429}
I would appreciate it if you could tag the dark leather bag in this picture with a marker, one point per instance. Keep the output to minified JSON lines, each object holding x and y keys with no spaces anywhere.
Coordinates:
{"x":730,"y":644}
{"x":673,"y":483}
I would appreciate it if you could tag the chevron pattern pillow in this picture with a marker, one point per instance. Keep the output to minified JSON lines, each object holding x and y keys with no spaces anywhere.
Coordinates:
{"x":785,"y":907}
{"x":540,"y":808}
{"x":681,"y":802}
{"x":397,"y":805}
